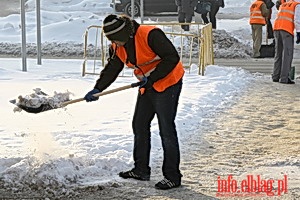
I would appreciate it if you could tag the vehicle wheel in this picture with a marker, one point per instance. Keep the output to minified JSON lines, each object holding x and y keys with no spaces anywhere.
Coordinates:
{"x":136,"y":9}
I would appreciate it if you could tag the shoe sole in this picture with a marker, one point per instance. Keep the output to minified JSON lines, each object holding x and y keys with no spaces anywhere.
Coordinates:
{"x":289,"y":83}
{"x":140,"y":179}
{"x":167,"y":188}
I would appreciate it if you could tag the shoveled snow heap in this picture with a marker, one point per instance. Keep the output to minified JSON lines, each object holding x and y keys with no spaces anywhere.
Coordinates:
{"x":39,"y":98}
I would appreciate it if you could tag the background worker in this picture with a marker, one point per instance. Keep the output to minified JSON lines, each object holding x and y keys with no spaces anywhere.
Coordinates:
{"x":215,"y":6}
{"x":185,"y":12}
{"x":202,"y":8}
{"x":287,"y":20}
{"x":258,"y":14}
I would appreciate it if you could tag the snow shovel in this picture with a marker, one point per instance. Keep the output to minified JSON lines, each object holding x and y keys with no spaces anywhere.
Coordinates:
{"x":267,"y":50}
{"x":45,"y":107}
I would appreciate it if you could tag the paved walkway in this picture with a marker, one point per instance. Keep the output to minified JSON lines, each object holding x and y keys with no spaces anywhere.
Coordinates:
{"x":264,"y":65}
{"x":260,"y":135}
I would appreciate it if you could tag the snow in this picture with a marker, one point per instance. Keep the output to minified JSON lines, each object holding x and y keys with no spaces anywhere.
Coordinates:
{"x":66,"y":21}
{"x":89,"y":143}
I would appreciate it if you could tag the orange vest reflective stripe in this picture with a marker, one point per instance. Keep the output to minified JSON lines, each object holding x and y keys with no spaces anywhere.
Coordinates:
{"x":256,"y":16}
{"x":285,"y":17}
{"x":147,"y":60}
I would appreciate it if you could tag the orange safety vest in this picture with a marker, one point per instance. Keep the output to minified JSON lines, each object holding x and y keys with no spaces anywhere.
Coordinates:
{"x":285,"y":17}
{"x":256,"y":16}
{"x":147,"y":60}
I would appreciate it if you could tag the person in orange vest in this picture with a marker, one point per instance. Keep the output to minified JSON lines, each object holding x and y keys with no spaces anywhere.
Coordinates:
{"x":157,"y":65}
{"x":287,"y":20}
{"x":258,"y":14}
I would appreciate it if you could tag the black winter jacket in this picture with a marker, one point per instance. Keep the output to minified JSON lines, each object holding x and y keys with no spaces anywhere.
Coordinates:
{"x":159,"y":44}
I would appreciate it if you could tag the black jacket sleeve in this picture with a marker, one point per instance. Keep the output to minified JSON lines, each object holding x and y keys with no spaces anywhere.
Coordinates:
{"x":163,"y":47}
{"x":110,"y":72}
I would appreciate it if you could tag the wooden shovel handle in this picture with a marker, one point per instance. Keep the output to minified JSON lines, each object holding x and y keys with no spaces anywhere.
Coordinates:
{"x":102,"y":93}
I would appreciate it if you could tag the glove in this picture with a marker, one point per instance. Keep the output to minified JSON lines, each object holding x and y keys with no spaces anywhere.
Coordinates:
{"x":146,"y":83}
{"x":298,"y":38}
{"x":143,"y":82}
{"x":89,"y":96}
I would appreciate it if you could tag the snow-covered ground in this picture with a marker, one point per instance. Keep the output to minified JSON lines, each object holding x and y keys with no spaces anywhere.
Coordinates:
{"x":64,"y":23}
{"x":89,"y":143}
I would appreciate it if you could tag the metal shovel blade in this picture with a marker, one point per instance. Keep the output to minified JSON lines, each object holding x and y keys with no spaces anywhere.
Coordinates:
{"x":42,"y":108}
{"x":45,"y":107}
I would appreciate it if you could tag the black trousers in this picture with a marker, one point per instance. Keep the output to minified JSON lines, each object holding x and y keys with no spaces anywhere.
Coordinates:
{"x":185,"y":18}
{"x":164,"y":105}
{"x":212,"y":16}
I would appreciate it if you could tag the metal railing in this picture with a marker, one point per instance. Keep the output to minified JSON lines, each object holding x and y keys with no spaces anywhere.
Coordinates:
{"x":194,"y":47}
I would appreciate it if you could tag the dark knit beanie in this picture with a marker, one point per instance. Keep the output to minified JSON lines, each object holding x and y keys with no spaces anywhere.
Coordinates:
{"x":117,"y":28}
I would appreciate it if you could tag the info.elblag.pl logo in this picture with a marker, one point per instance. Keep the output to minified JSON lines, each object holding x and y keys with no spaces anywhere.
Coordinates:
{"x":252,"y":185}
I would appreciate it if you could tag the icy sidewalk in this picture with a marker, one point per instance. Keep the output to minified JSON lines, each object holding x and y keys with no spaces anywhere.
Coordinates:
{"x":258,"y":136}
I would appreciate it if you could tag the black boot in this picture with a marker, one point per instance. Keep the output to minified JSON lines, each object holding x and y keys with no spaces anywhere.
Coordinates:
{"x":166,"y":184}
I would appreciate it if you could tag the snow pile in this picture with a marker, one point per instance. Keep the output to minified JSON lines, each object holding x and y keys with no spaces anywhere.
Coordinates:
{"x":55,"y":178}
{"x":227,"y":46}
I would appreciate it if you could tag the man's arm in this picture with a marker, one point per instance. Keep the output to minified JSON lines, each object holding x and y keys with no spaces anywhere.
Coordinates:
{"x":264,"y":10}
{"x":278,"y":3}
{"x":110,"y":72}
{"x":163,"y":47}
{"x":297,"y":18}
{"x":297,"y":23}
